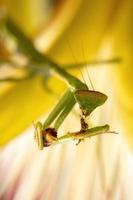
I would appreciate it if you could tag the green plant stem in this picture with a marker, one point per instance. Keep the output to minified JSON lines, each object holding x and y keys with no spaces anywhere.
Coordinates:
{"x":95,"y":62}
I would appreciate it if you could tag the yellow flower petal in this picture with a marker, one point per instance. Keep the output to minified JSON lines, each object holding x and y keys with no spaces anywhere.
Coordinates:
{"x":22,"y":104}
{"x":123,"y":47}
{"x":82,"y":26}
{"x":86,"y":31}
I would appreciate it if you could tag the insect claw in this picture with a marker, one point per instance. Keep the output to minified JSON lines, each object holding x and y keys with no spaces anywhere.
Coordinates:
{"x":79,"y":141}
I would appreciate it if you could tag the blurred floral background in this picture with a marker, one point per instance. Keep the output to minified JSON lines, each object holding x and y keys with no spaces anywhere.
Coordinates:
{"x":68,"y":32}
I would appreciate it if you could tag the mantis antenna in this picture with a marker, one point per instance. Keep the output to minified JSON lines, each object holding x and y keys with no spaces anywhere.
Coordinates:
{"x":86,"y":67}
{"x":76,"y":62}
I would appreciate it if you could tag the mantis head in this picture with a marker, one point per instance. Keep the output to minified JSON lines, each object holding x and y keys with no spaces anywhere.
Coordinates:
{"x":88,"y":100}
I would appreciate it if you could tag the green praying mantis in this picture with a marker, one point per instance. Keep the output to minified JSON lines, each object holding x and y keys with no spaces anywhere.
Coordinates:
{"x":46,"y":134}
{"x":88,"y":100}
